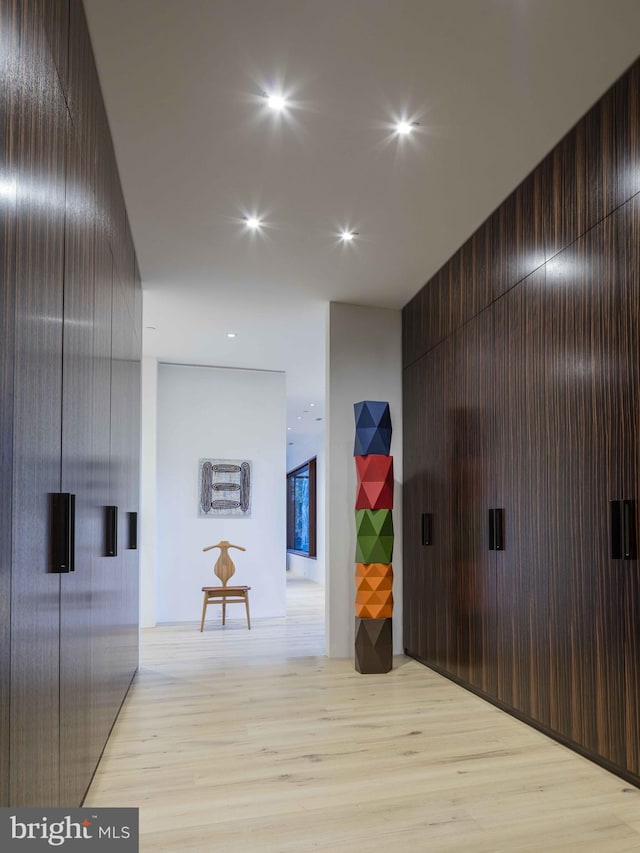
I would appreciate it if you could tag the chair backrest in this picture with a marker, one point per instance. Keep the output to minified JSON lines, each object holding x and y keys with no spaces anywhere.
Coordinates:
{"x":224,"y":568}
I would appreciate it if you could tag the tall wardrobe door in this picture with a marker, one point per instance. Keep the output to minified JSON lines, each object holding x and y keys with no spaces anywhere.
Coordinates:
{"x":580,"y":312}
{"x":413,"y":506}
{"x":131,"y":552}
{"x":471,"y":462}
{"x":525,"y":452}
{"x":121,"y":669}
{"x":628,"y":224}
{"x":76,"y":755}
{"x":425,"y":585}
{"x":35,"y":591}
{"x":436,"y":384}
{"x":106,"y":570}
{"x":9,"y":33}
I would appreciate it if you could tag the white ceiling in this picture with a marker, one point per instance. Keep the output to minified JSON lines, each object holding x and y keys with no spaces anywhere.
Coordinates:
{"x":494,"y":84}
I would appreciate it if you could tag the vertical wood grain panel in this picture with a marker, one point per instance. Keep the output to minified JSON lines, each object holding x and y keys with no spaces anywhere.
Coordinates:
{"x":628,"y":335}
{"x":83,"y":86}
{"x":55,"y":18}
{"x":437,"y":390}
{"x":103,"y":182}
{"x":413,"y":504}
{"x":560,"y":217}
{"x":77,"y":760}
{"x":106,"y":573}
{"x":471,"y":463}
{"x":627,"y":134}
{"x":120,"y":641}
{"x":35,"y":604}
{"x":523,"y":453}
{"x":9,"y":65}
{"x":426,"y":581}
{"x":132,"y":461}
{"x":517,"y":232}
{"x":581,"y":307}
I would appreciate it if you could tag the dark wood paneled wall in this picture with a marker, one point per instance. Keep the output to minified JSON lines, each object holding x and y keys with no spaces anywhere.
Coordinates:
{"x":9,"y":65}
{"x":69,"y":350}
{"x":522,"y":392}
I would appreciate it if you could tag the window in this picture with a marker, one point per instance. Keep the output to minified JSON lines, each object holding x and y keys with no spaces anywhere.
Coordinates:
{"x":301,"y":509}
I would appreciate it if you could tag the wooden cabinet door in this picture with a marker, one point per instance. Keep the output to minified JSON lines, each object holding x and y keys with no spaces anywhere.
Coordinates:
{"x":527,"y":445}
{"x":586,"y":388}
{"x":41,"y":136}
{"x":121,"y":419}
{"x":412,"y":507}
{"x":131,"y":497}
{"x":426,"y":614}
{"x":628,"y":573}
{"x":9,"y":91}
{"x":470,"y":465}
{"x":77,"y":758}
{"x":106,"y":571}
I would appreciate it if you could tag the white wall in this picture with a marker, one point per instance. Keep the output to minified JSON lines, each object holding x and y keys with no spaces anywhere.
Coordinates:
{"x":148,"y":493}
{"x":298,"y":454}
{"x":364,"y":362}
{"x":226,"y":414}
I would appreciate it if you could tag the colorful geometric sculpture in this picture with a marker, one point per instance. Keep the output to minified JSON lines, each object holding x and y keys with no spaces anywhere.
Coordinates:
{"x":374,"y":646}
{"x":374,"y":536}
{"x":373,"y":428}
{"x":374,"y":595}
{"x":375,"y":482}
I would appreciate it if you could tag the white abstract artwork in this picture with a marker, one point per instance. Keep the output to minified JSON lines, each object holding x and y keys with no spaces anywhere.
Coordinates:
{"x":224,"y":488}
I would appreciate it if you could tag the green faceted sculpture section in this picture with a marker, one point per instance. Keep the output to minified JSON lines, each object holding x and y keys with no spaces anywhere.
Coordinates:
{"x":374,"y":532}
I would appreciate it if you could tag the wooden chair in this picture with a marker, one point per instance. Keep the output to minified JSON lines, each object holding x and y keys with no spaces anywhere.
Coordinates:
{"x":224,"y":569}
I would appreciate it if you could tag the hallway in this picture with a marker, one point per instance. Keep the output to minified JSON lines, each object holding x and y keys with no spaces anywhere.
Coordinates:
{"x":235,"y":741}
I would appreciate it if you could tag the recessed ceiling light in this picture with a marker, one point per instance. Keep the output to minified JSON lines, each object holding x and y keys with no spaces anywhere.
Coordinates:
{"x":231,"y":334}
{"x":312,"y":405}
{"x":404,"y":128}
{"x":276,"y":102}
{"x":253,"y":222}
{"x":288,"y":428}
{"x":347,"y":236}
{"x":299,"y":417}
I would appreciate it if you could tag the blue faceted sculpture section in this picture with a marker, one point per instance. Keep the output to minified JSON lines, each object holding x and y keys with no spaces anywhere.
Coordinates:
{"x":373,"y":428}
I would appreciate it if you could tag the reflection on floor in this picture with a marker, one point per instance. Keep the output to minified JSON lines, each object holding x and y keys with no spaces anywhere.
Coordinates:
{"x":252,"y":742}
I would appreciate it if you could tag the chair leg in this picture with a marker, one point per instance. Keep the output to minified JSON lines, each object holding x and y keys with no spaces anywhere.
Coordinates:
{"x":224,"y":610}
{"x":246,"y":604}
{"x":204,"y":610}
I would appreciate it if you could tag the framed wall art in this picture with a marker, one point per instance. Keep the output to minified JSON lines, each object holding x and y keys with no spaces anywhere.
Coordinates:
{"x":224,"y":488}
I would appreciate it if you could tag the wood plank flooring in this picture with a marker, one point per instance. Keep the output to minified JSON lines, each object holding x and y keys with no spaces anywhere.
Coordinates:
{"x":235,"y":741}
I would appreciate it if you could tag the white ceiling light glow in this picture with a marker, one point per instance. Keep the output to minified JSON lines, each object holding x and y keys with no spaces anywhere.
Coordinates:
{"x":404,"y":128}
{"x":231,"y":334}
{"x":277,"y":103}
{"x":254,"y":223}
{"x":347,"y":236}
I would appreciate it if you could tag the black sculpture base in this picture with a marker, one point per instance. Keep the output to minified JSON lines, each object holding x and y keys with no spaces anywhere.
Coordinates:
{"x":374,"y":646}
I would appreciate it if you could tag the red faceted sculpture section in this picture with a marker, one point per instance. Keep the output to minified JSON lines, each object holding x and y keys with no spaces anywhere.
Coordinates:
{"x":375,"y":482}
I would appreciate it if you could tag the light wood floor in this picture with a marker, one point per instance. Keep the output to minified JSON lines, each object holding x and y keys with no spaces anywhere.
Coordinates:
{"x":234,"y":741}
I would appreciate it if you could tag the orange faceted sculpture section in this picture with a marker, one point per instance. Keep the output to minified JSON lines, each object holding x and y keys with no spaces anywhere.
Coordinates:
{"x":374,"y":596}
{"x":375,"y":482}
